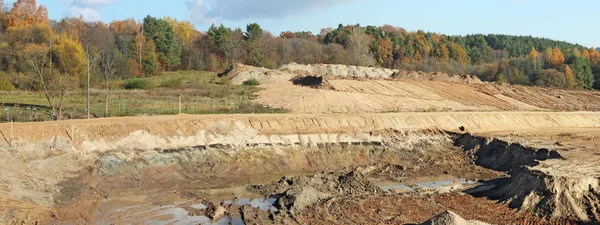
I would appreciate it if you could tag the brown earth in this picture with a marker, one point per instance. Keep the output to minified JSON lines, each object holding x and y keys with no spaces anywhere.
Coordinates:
{"x":148,"y":163}
{"x":532,"y":166}
{"x":350,"y":89}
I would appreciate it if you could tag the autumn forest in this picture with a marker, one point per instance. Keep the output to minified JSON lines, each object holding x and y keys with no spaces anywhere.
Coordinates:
{"x":39,"y":54}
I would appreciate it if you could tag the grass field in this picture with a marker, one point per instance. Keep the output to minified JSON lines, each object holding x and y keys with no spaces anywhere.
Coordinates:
{"x":199,"y":92}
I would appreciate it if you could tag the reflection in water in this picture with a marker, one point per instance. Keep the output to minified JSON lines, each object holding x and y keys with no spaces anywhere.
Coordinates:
{"x":432,"y":184}
{"x":179,"y":217}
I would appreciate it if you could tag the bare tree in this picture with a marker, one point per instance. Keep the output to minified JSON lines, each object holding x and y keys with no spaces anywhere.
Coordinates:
{"x":358,"y":46}
{"x":233,"y":47}
{"x":38,"y":58}
{"x":96,"y":40}
{"x":91,"y":57}
{"x":109,"y":64}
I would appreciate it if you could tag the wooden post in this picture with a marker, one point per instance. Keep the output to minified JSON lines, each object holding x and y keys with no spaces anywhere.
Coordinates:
{"x":179,"y":104}
{"x":11,"y":133}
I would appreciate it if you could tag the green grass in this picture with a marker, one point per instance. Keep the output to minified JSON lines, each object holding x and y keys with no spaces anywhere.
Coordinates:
{"x":201,"y":93}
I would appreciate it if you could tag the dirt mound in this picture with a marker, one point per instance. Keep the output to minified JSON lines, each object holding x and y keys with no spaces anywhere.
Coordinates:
{"x":312,"y":81}
{"x":239,"y":73}
{"x":542,"y":181}
{"x":334,"y":70}
{"x":555,"y":189}
{"x":297,"y":193}
{"x":450,"y":218}
{"x":437,"y":76}
{"x":501,"y":155}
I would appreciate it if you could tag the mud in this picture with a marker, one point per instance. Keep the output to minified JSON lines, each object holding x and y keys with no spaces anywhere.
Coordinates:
{"x":238,"y":173}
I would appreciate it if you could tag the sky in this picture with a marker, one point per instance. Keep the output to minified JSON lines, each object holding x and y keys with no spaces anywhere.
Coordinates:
{"x":570,"y":21}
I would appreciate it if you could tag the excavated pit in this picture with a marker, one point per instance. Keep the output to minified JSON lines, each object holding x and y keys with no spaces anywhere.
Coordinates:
{"x":231,"y":173}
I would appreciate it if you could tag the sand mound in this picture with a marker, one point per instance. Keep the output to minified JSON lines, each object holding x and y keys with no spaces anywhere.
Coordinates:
{"x":335,"y":70}
{"x":239,"y":73}
{"x":555,"y":188}
{"x":438,"y":76}
{"x":450,"y":218}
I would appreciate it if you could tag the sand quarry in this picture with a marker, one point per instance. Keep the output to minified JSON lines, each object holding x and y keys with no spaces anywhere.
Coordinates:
{"x":360,"y":146}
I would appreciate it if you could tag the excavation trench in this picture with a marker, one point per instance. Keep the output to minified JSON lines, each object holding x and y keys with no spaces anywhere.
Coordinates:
{"x":295,"y":178}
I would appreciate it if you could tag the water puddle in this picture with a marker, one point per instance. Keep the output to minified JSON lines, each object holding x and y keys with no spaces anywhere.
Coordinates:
{"x":425,"y":185}
{"x":179,"y":217}
{"x":259,"y":203}
{"x":175,"y":215}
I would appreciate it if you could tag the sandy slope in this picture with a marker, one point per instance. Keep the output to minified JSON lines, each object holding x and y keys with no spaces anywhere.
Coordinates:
{"x":111,"y":129}
{"x":412,"y":95}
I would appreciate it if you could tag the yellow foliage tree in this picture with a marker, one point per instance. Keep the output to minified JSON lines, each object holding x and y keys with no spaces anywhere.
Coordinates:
{"x":557,"y":58}
{"x":570,"y":77}
{"x":70,"y":56}
{"x":26,"y":12}
{"x":533,"y":54}
{"x":460,"y":54}
{"x":585,"y":54}
{"x":184,"y":31}
{"x":71,"y":64}
{"x":384,"y":50}
{"x":594,"y":56}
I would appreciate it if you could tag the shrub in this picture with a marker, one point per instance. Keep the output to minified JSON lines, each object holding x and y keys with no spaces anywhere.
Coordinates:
{"x":138,"y":83}
{"x":171,"y":83}
{"x":5,"y":84}
{"x":224,"y":80}
{"x":251,"y":82}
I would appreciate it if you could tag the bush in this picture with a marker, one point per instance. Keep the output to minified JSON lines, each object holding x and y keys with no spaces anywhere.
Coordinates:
{"x":138,"y":83}
{"x":252,"y":82}
{"x":5,"y":84}
{"x":224,"y":80}
{"x":171,"y":83}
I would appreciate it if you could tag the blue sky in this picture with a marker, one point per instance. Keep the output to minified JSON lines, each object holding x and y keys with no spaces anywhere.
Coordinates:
{"x":572,"y":21}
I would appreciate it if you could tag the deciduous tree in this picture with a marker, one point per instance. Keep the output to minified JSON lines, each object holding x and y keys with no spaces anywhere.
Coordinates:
{"x":359,"y":49}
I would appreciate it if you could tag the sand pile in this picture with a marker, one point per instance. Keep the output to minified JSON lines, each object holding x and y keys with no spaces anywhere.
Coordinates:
{"x":438,"y":76}
{"x":239,"y":73}
{"x":335,"y":70}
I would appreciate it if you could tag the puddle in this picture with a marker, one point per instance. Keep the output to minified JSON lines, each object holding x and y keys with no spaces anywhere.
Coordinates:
{"x":199,"y":206}
{"x":401,"y":187}
{"x":443,"y":183}
{"x":180,"y":217}
{"x":259,"y":203}
{"x":431,"y":185}
{"x":227,"y":221}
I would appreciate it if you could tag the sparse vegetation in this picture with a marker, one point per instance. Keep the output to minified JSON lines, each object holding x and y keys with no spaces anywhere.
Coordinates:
{"x":252,"y":82}
{"x":5,"y":84}
{"x":171,"y":83}
{"x":139,"y":84}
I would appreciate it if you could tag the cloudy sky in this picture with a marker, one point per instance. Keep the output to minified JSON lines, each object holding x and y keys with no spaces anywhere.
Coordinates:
{"x":573,"y":21}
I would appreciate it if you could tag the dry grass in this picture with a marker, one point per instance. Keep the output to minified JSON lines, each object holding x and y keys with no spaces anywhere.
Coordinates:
{"x":200,"y":93}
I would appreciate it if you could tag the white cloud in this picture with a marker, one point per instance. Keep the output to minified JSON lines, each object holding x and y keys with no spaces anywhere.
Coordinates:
{"x":210,"y":11}
{"x":88,"y":14}
{"x":88,"y":9}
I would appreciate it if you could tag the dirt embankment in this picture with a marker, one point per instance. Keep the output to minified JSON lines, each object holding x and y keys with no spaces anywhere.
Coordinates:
{"x":111,"y":164}
{"x":324,"y":88}
{"x":438,"y":76}
{"x":239,"y":73}
{"x":542,"y":181}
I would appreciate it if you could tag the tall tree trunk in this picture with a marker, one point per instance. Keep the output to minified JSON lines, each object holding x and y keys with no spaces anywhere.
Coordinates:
{"x":106,"y":100}
{"x":60,"y":104}
{"x":88,"y":90}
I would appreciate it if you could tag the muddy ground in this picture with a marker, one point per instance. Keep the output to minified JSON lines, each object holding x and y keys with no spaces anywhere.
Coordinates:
{"x":407,"y":178}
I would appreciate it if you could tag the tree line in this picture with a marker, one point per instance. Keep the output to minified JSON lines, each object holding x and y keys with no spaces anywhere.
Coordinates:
{"x":58,"y":57}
